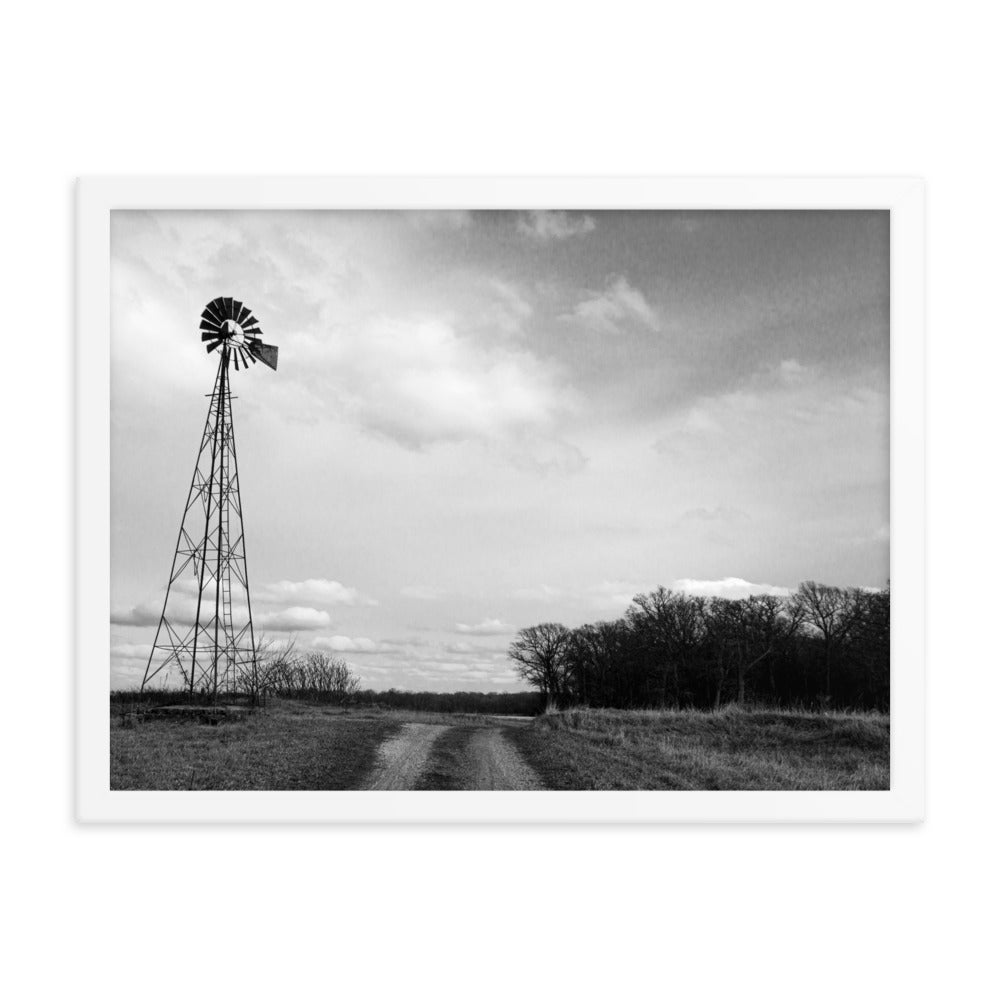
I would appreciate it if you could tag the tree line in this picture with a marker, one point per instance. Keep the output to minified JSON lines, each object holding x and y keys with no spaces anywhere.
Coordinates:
{"x":283,"y":671}
{"x":822,"y":647}
{"x":315,"y":676}
{"x":318,"y":677}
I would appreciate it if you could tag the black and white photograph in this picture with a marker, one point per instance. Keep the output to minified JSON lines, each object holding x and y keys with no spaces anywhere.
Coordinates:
{"x":565,"y":499}
{"x":501,"y":500}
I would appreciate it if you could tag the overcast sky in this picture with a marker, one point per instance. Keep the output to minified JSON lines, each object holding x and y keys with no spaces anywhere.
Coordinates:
{"x":481,"y":421}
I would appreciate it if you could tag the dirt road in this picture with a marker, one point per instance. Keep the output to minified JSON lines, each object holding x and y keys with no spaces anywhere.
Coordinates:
{"x":469,"y":759}
{"x":403,"y":756}
{"x":497,"y":766}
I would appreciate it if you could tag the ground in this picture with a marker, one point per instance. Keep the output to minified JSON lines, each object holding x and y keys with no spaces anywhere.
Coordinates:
{"x":297,"y":746}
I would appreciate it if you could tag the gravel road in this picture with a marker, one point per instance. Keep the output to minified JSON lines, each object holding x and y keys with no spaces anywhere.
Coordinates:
{"x":489,"y":761}
{"x":402,"y":757}
{"x":496,"y":764}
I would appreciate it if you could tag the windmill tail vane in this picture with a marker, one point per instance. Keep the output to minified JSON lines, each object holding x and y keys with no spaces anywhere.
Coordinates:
{"x":205,"y":637}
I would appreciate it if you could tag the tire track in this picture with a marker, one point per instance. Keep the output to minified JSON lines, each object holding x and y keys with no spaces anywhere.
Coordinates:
{"x":402,"y":758}
{"x":497,"y":765}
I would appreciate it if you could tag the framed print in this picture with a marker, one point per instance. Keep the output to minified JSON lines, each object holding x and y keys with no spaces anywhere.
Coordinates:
{"x":595,"y":494}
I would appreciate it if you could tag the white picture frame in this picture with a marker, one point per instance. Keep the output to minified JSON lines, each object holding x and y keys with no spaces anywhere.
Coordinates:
{"x":97,"y":803}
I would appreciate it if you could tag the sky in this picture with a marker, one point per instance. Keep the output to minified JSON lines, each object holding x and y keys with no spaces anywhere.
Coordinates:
{"x":485,"y":420}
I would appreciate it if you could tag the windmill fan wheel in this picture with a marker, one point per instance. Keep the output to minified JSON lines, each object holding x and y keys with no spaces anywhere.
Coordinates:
{"x":227,"y":325}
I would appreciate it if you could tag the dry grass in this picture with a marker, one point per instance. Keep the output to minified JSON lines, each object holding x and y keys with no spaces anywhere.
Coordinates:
{"x":731,"y":749}
{"x":290,"y":746}
{"x":448,"y":765}
{"x":294,"y":745}
{"x":400,"y":715}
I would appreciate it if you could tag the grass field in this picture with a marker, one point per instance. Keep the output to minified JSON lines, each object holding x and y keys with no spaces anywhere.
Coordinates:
{"x":290,"y":746}
{"x":731,"y":749}
{"x":299,"y":746}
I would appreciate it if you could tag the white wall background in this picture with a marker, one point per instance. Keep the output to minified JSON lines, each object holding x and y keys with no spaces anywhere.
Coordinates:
{"x":773,"y":88}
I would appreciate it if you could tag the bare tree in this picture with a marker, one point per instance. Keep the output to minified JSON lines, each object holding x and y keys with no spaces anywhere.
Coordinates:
{"x":748,"y":631}
{"x":594,"y":658}
{"x":833,"y":613}
{"x":672,"y":627}
{"x":539,"y":652}
{"x":275,"y":667}
{"x":328,"y":677}
{"x":315,"y":675}
{"x":251,"y":678}
{"x":724,"y":625}
{"x":871,"y":644}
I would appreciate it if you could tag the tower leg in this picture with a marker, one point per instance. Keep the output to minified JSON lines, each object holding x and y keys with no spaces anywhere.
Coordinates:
{"x":223,"y":491}
{"x":218,"y":396}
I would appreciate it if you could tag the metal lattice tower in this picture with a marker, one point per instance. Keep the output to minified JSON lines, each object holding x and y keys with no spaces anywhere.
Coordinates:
{"x":205,"y":639}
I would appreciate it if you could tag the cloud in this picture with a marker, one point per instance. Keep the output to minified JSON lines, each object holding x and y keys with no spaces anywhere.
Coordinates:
{"x":503,"y":308}
{"x":790,"y":372}
{"x":183,"y":605}
{"x":395,"y":653}
{"x":375,"y":329}
{"x":543,"y":592}
{"x":181,"y":609}
{"x":548,"y":456}
{"x":730,"y":586}
{"x":346,"y":644}
{"x":294,"y":619}
{"x":423,"y":381}
{"x":620,"y":303}
{"x":131,"y":651}
{"x":604,"y":596}
{"x":554,"y":225}
{"x":315,"y":591}
{"x":139,"y":614}
{"x":488,"y":626}
{"x":419,"y":592}
{"x":797,"y":435}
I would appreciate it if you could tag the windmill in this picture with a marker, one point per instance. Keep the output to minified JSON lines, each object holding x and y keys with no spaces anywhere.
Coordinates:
{"x":205,"y":637}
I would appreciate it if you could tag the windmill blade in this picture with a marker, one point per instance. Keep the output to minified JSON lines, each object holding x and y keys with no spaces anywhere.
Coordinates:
{"x":244,"y":315}
{"x":267,"y":353}
{"x":216,"y":335}
{"x":244,"y":354}
{"x":210,"y":327}
{"x":237,"y":309}
{"x":236,"y":360}
{"x":215,"y":311}
{"x":228,"y":306}
{"x":211,"y":347}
